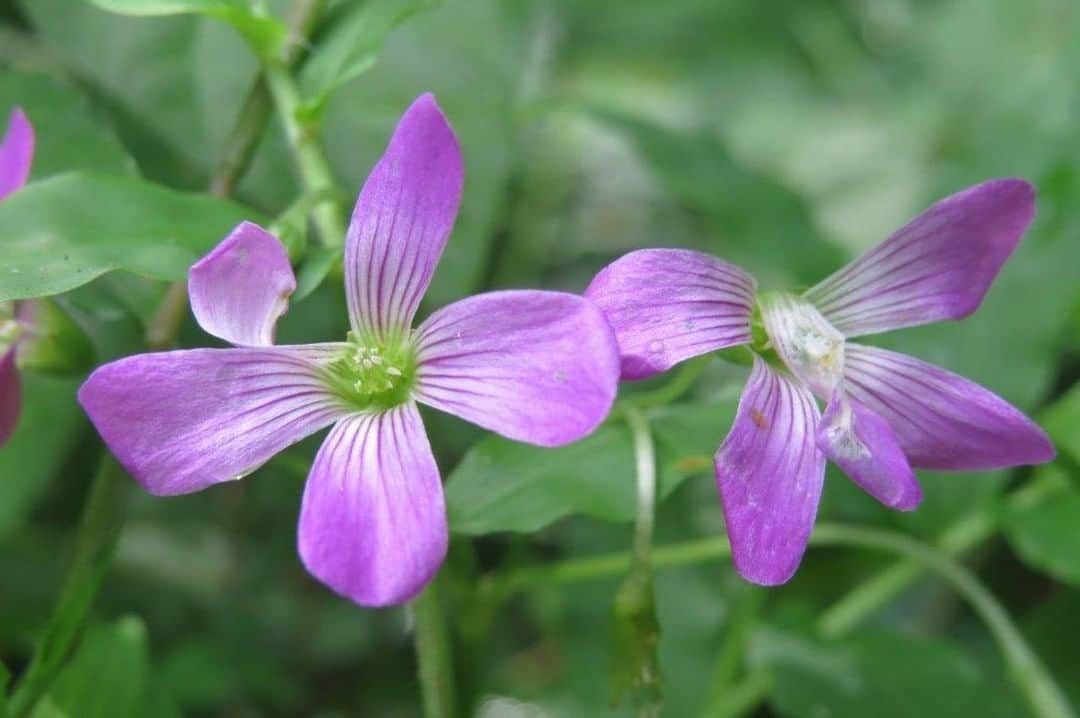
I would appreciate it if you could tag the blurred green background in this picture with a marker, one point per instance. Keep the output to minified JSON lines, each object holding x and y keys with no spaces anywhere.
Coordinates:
{"x":784,"y":136}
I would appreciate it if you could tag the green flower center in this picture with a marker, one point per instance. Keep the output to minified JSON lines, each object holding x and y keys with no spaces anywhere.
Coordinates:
{"x":374,"y":375}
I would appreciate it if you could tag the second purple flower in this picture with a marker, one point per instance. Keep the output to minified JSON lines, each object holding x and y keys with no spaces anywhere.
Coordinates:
{"x":886,"y":413}
{"x":535,"y":366}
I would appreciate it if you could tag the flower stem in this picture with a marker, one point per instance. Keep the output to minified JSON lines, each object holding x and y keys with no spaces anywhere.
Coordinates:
{"x":846,"y":614}
{"x":645,"y":459}
{"x":1043,"y":694}
{"x":303,"y":138}
{"x":432,"y":642}
{"x":310,"y":159}
{"x":99,"y":527}
{"x":742,"y":697}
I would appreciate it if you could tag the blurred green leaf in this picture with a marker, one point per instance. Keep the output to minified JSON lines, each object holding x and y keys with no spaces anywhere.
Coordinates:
{"x":171,"y":86}
{"x":885,"y":675}
{"x":4,"y":678}
{"x":55,"y":344}
{"x":63,"y":232}
{"x":107,"y":676}
{"x":1046,"y":627}
{"x":67,"y":135}
{"x":429,"y":54}
{"x":48,"y":429}
{"x":1046,"y":532}
{"x":265,"y":32}
{"x":1062,"y":422}
{"x":502,"y":485}
{"x":758,"y":223}
{"x":318,"y":263}
{"x":352,"y":45}
{"x":199,"y":675}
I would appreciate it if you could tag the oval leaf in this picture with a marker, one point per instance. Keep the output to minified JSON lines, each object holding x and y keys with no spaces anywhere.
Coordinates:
{"x":352,"y":45}
{"x":265,"y":32}
{"x":1044,"y":531}
{"x":61,"y":233}
{"x":67,"y":135}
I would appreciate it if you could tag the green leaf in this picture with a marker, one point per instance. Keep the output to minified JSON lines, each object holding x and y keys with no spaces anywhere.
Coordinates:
{"x":878,"y":674}
{"x":1044,"y":531}
{"x":55,"y":344}
{"x":107,"y":678}
{"x":5,"y":676}
{"x":67,"y":135}
{"x":759,"y":223}
{"x":63,"y":232}
{"x":48,"y":429}
{"x":1062,"y":422}
{"x":1045,"y":627}
{"x":502,"y":485}
{"x":266,"y":33}
{"x":352,"y":45}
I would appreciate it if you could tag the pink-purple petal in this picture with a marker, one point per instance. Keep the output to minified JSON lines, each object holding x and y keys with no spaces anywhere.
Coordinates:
{"x":865,"y":448}
{"x":938,"y":266}
{"x":770,"y":473}
{"x":373,"y":521}
{"x":534,"y":366}
{"x":668,"y":305}
{"x":10,"y":395}
{"x":240,"y":289}
{"x":401,"y":222}
{"x":940,"y":419}
{"x":16,"y":153}
{"x":181,"y":421}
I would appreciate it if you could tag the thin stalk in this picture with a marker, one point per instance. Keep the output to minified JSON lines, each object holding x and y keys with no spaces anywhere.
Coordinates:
{"x":1043,"y":694}
{"x":432,"y":641}
{"x":870,"y":595}
{"x":308,"y":152}
{"x":244,"y":138}
{"x":742,"y":698}
{"x":645,"y":460}
{"x":99,"y":527}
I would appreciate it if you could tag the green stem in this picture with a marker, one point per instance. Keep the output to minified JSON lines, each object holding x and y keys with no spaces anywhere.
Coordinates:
{"x":870,"y":595}
{"x":1042,"y":692}
{"x":102,"y":520}
{"x":742,"y":698}
{"x":645,"y":459}
{"x":308,"y":152}
{"x":433,"y":654}
{"x":242,"y":141}
{"x":1027,"y":670}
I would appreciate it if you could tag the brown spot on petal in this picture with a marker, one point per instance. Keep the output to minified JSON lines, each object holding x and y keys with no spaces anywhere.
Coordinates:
{"x":759,"y":419}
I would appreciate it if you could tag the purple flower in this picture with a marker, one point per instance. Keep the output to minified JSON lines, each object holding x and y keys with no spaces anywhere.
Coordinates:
{"x":16,"y":155}
{"x":886,"y":413}
{"x":535,"y":366}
